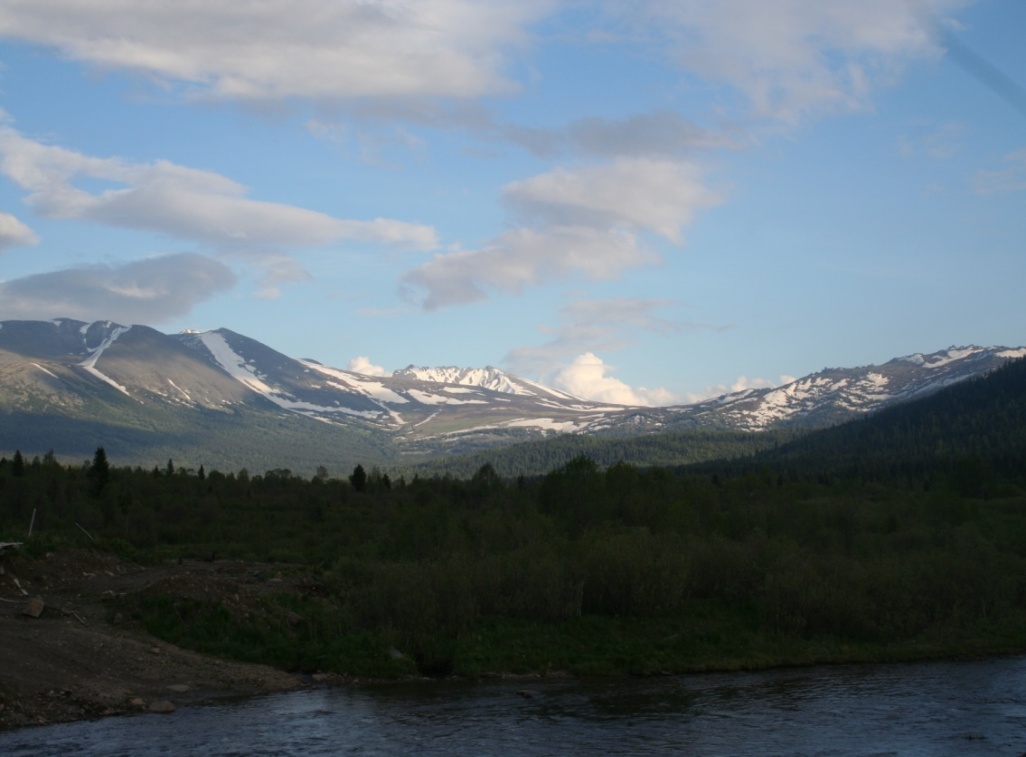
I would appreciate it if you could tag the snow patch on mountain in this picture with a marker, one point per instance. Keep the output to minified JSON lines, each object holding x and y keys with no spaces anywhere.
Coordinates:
{"x":547,"y":424}
{"x":183,"y":392}
{"x":235,"y":365}
{"x":427,"y":398}
{"x":348,"y":381}
{"x":489,"y":378}
{"x":89,"y":364}
{"x":486,"y":378}
{"x":44,"y":370}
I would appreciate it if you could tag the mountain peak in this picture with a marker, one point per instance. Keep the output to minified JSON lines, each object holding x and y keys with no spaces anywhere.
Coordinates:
{"x":488,"y":377}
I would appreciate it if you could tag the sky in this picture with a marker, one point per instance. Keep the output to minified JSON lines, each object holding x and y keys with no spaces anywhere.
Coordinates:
{"x":637,"y":201}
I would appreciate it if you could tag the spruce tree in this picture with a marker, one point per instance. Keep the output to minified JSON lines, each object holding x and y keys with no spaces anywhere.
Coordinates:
{"x":358,"y":479}
{"x":99,"y":471}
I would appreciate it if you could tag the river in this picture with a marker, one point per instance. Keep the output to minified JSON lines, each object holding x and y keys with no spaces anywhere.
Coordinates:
{"x":949,"y":708}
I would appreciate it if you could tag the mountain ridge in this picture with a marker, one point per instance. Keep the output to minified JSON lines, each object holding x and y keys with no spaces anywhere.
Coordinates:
{"x":67,"y":368}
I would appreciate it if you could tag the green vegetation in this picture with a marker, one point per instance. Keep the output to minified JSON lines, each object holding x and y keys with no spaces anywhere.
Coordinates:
{"x":672,"y":448}
{"x":136,"y":434}
{"x":874,"y":549}
{"x":587,"y":570}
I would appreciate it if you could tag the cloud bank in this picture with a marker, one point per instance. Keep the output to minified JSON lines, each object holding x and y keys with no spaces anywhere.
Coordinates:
{"x":144,"y":291}
{"x":280,"y":49}
{"x":179,"y":201}
{"x":793,"y":58}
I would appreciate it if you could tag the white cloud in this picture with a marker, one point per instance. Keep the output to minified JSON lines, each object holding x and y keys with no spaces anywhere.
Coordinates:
{"x":1011,"y":177}
{"x":144,"y":291}
{"x":587,"y":377}
{"x":179,"y":201}
{"x":640,"y":193}
{"x":14,"y":233}
{"x":586,"y":222}
{"x":523,"y":257}
{"x":275,"y":49}
{"x":790,"y":58}
{"x":362,"y":365}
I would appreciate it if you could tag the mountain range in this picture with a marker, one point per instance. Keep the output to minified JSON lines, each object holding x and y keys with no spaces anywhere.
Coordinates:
{"x":220,"y":396}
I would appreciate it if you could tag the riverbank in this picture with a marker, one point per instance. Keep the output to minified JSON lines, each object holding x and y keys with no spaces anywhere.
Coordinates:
{"x":80,"y":659}
{"x":88,"y":653}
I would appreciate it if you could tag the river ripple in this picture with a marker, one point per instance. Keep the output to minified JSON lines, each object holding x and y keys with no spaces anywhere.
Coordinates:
{"x":957,"y":708}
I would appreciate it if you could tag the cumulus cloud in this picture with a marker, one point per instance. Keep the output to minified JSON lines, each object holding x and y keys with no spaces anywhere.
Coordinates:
{"x":791,"y":58}
{"x":144,"y":291}
{"x":14,"y":233}
{"x":1009,"y":178}
{"x":588,"y":377}
{"x":362,"y":365}
{"x":179,"y":201}
{"x":277,"y":49}
{"x":583,"y":221}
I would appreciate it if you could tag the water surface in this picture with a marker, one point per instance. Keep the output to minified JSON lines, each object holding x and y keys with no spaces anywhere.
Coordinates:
{"x":957,"y":708}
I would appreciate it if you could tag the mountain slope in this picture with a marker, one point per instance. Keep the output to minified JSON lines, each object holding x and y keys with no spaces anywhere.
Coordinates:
{"x":71,"y":382}
{"x":980,"y":422}
{"x":834,"y":395}
{"x":148,"y":397}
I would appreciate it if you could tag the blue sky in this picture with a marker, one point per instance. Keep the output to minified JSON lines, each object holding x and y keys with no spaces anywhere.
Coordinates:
{"x":648,"y":202}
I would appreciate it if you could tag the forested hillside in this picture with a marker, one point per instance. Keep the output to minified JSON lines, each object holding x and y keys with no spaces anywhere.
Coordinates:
{"x":535,"y":458}
{"x":975,"y":431}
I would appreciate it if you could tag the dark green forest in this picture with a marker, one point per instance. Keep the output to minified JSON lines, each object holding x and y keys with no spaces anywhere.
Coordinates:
{"x":896,"y":537}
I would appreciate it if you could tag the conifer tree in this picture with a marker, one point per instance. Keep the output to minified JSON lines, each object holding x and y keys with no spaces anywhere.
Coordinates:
{"x":18,"y":464}
{"x":99,"y":471}
{"x":358,"y":479}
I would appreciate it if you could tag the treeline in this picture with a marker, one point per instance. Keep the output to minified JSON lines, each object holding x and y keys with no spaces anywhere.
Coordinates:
{"x":673,"y":448}
{"x":680,"y":570}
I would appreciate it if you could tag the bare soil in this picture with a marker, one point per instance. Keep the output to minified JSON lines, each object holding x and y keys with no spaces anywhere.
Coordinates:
{"x":81,"y":658}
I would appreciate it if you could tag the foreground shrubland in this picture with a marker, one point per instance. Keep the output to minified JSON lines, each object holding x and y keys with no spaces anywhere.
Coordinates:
{"x":622,"y":570}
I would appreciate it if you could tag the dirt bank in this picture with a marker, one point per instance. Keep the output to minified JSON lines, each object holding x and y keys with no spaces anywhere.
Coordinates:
{"x":81,"y":658}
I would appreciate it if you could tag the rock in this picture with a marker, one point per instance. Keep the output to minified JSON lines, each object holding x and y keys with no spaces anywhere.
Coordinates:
{"x":162,"y":706}
{"x":179,"y":688}
{"x":526,"y":694}
{"x":138,"y":703}
{"x":34,"y":607}
{"x":294,"y":618}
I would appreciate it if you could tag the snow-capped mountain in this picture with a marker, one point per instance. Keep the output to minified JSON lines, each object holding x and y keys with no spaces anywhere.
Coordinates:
{"x":837,"y":394}
{"x":484,"y":378}
{"x":61,"y":366}
{"x":414,"y":404}
{"x":833,"y":395}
